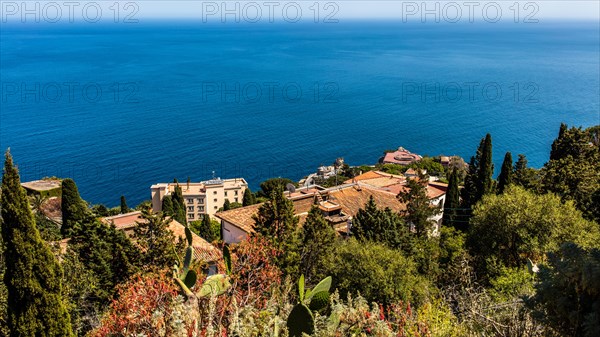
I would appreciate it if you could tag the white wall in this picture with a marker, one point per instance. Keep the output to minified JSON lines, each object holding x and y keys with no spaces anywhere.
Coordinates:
{"x":231,"y":233}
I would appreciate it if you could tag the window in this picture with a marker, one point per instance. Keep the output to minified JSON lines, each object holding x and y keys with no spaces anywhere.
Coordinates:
{"x":201,"y":209}
{"x":215,"y":200}
{"x":190,"y":216}
{"x":190,"y":201}
{"x":236,"y":193}
{"x":236,"y":199}
{"x":225,"y":193}
{"x":200,"y":200}
{"x":215,"y":207}
{"x":214,"y":192}
{"x":190,"y":208}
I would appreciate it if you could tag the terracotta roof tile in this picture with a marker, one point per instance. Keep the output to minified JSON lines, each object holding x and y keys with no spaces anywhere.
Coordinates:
{"x":203,"y":250}
{"x":240,"y":217}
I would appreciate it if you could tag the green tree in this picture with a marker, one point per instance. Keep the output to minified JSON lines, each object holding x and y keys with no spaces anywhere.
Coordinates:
{"x":179,"y":212}
{"x":419,"y":210}
{"x":572,"y":172}
{"x":124,"y":208}
{"x":379,"y":273}
{"x":568,"y":291}
{"x":517,"y":225}
{"x":277,"y":222}
{"x":167,"y":205}
{"x":107,"y":253}
{"x":249,"y":198}
{"x":506,"y":173}
{"x":205,"y":228}
{"x":485,"y":180}
{"x":317,"y":240}
{"x":33,"y":275}
{"x":525,"y":176}
{"x":273,"y":184}
{"x":226,"y":205}
{"x":74,"y":209}
{"x":156,"y":240}
{"x":383,"y":226}
{"x":452,"y":203}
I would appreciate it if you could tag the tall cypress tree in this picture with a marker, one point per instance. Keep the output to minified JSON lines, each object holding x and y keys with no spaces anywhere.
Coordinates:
{"x":124,"y":208}
{"x":178,"y":205}
{"x":167,"y":205}
{"x":249,"y":198}
{"x":486,"y":170}
{"x":506,"y":173}
{"x":33,"y":275}
{"x":74,"y":210}
{"x":452,"y":203}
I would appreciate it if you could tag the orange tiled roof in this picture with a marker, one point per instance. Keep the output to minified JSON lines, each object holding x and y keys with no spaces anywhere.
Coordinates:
{"x":434,"y":190}
{"x":240,"y":217}
{"x":377,"y":179}
{"x":353,"y":198}
{"x":203,"y":250}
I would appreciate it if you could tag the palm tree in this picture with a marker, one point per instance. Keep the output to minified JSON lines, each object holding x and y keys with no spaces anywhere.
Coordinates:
{"x":37,"y":202}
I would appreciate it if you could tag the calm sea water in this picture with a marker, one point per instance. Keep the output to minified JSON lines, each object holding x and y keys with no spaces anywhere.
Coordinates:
{"x":120,"y":108}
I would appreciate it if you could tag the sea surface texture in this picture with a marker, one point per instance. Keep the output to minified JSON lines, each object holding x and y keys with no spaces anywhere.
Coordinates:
{"x":119,"y":108}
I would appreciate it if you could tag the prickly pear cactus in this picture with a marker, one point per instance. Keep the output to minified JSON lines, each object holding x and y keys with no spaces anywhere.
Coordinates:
{"x":300,"y":321}
{"x":215,"y":285}
{"x":319,"y":301}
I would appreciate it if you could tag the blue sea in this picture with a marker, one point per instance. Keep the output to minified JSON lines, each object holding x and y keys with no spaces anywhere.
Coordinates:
{"x":119,"y":108}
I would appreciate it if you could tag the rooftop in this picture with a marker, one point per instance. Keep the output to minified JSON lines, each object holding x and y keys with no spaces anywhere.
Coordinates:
{"x":200,"y":187}
{"x":378,"y":179}
{"x":203,"y":250}
{"x":401,"y":156}
{"x":42,"y":185}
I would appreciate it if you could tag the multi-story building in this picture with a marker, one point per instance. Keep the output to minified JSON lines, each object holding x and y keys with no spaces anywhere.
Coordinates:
{"x":205,"y":197}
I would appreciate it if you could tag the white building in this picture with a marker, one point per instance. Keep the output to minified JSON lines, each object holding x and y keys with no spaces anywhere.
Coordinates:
{"x":205,"y":197}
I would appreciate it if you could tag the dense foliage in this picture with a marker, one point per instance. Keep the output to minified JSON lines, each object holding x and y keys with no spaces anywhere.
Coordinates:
{"x":35,"y":306}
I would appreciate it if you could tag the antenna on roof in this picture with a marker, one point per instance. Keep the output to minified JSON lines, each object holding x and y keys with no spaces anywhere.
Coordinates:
{"x":290,"y":188}
{"x":213,"y":174}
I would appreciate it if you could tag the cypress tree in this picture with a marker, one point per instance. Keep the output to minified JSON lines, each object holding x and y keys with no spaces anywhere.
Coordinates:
{"x":506,"y":173}
{"x":521,"y":171}
{"x":74,"y":209}
{"x":317,"y":240}
{"x":167,"y":205}
{"x":124,"y":208}
{"x":249,"y":198}
{"x":33,"y":275}
{"x":179,"y":213}
{"x":485,"y":181}
{"x":205,"y":230}
{"x":452,"y":202}
{"x":226,"y":205}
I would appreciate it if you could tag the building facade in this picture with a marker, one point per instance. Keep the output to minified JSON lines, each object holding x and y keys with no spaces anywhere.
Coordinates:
{"x":205,"y":197}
